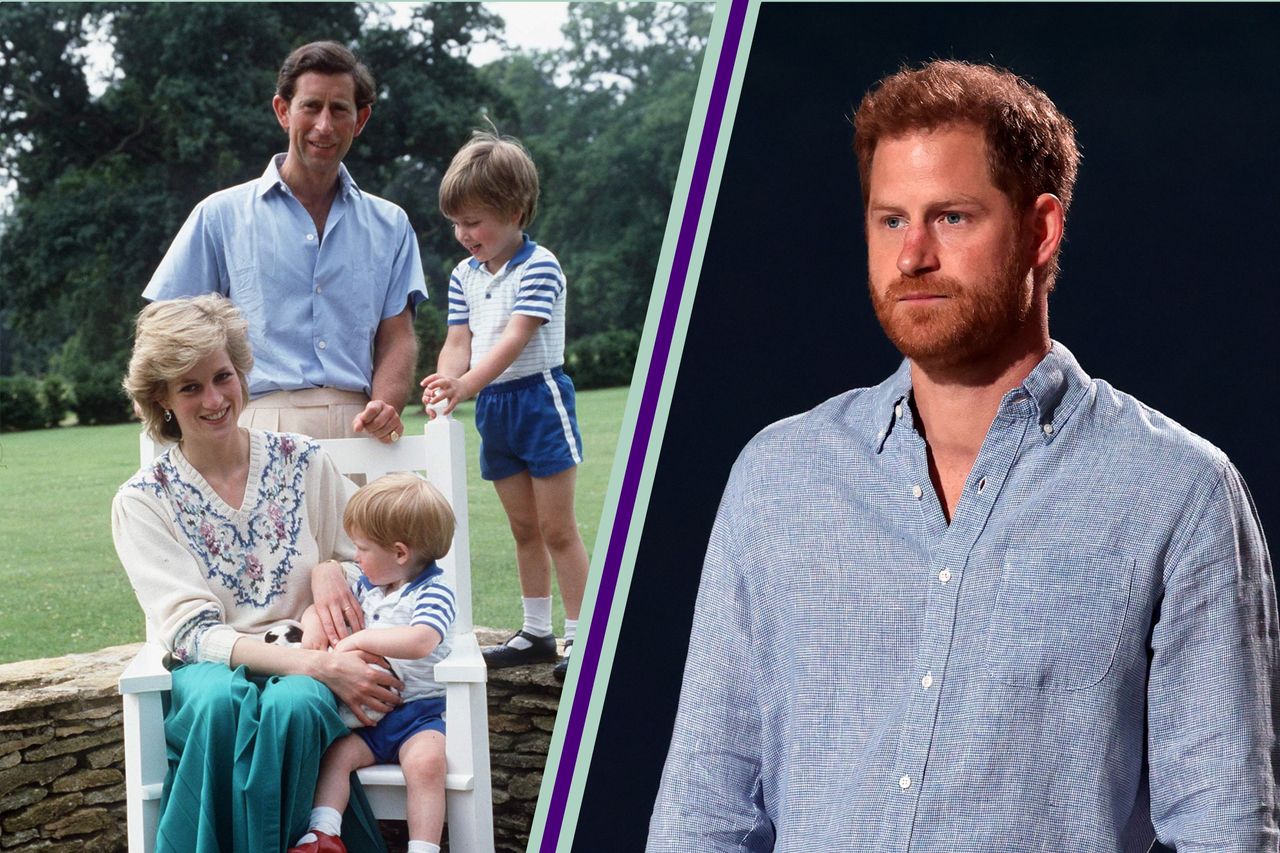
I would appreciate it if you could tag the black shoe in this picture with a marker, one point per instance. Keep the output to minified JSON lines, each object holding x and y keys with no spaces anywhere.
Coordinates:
{"x":562,"y":666}
{"x":543,"y":649}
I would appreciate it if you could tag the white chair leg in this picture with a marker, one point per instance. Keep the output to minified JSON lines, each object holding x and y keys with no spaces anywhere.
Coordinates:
{"x":145,"y":767}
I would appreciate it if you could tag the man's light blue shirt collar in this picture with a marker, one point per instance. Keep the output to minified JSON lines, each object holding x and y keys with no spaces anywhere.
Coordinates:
{"x":1050,"y":393}
{"x":522,"y":254}
{"x":271,"y":179}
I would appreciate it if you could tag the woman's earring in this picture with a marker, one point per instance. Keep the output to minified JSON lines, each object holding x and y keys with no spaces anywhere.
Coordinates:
{"x":168,"y":416}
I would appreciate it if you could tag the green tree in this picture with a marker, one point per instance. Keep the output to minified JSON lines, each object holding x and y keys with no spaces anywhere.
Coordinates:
{"x":105,"y":182}
{"x":605,"y":119}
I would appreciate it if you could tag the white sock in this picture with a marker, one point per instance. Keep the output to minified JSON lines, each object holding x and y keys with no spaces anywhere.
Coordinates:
{"x":422,"y":847}
{"x":570,"y":629}
{"x":537,"y":616}
{"x":325,"y":819}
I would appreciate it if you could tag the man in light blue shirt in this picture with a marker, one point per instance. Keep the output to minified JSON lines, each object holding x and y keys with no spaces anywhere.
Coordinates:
{"x":327,"y":275}
{"x":991,"y":604}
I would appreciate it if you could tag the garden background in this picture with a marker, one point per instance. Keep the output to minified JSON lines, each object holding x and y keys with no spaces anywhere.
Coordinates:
{"x":102,"y":174}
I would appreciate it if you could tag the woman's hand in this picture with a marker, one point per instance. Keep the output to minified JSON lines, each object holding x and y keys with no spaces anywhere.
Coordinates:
{"x":358,"y":685}
{"x":336,"y":607}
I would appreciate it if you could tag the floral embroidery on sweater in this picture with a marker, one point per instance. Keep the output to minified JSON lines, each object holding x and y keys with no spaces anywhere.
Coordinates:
{"x":249,"y":552}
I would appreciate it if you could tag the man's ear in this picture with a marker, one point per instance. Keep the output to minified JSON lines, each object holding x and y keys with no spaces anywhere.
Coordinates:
{"x":281,"y":108}
{"x":1047,"y":220}
{"x":362,"y":116}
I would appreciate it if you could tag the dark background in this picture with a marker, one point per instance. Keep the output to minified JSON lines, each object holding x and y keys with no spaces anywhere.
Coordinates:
{"x":1168,"y":287}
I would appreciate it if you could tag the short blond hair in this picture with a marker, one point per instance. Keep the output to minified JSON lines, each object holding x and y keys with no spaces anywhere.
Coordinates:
{"x":494,"y":172}
{"x":402,"y":508}
{"x":169,"y":338}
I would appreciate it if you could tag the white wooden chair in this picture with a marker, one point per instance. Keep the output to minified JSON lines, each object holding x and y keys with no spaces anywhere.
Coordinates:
{"x":440,"y":453}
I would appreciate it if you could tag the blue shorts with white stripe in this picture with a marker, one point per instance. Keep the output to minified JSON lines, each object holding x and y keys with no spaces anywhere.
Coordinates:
{"x":528,"y":424}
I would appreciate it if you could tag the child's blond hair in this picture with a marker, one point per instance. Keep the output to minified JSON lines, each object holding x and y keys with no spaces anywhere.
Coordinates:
{"x":402,"y":508}
{"x":494,"y":172}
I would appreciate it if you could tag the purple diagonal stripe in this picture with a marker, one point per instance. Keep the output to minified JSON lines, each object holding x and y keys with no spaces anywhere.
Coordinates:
{"x":589,"y":657}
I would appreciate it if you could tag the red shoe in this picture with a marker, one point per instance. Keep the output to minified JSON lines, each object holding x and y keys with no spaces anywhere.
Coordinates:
{"x":324,"y":843}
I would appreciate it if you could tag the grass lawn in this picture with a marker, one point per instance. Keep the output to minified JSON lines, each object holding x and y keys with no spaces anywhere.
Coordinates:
{"x":62,"y":588}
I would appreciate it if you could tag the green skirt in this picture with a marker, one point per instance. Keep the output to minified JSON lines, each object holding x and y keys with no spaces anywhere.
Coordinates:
{"x":244,"y":756}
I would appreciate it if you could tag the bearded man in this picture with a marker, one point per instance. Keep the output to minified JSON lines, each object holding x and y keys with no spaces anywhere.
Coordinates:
{"x":991,"y":604}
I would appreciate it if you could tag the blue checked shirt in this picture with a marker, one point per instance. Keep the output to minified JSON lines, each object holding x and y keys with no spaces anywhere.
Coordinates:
{"x":1085,"y":658}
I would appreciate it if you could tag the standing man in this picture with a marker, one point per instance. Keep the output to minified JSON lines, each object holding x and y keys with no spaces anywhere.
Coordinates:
{"x":991,"y":604}
{"x":327,"y":275}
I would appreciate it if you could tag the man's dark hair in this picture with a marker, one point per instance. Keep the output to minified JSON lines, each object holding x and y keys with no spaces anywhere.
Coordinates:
{"x":1031,"y":146}
{"x":326,"y":57}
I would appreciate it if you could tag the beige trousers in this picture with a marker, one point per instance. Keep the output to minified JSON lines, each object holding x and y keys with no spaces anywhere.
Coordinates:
{"x":317,"y":412}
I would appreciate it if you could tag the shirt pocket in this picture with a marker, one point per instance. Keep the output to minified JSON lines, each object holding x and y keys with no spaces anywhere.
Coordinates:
{"x":1058,"y":617}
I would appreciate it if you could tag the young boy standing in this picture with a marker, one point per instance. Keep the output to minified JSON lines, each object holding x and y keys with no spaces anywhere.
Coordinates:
{"x":505,"y":343}
{"x":400,"y":525}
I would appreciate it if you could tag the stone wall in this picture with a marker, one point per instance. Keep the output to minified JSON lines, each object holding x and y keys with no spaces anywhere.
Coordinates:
{"x":62,"y":752}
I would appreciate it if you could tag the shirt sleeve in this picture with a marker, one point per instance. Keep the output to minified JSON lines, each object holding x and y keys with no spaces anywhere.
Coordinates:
{"x":435,"y":608}
{"x":459,"y":310}
{"x":710,"y":798}
{"x":1213,"y":708}
{"x":169,"y":582}
{"x":407,"y":285}
{"x":195,"y":263}
{"x":541,"y":284}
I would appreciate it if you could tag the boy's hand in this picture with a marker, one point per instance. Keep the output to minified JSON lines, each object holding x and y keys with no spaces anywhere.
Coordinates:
{"x":442,"y":394}
{"x":348,"y":644}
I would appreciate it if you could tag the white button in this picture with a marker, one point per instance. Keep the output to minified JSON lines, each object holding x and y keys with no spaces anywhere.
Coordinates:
{"x":927,"y":681}
{"x":319,"y":289}
{"x":897,"y":411}
{"x":322,"y":345}
{"x":904,"y":783}
{"x":311,"y":236}
{"x":944,"y":575}
{"x":880,"y":435}
{"x":917,"y":491}
{"x":1048,"y":429}
{"x":982,"y":485}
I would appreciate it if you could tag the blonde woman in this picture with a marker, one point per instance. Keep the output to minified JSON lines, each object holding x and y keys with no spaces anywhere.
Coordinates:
{"x":221,"y":536}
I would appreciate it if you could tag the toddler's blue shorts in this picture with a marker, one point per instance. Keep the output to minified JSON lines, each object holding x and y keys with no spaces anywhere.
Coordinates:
{"x":400,"y":724}
{"x":528,"y":424}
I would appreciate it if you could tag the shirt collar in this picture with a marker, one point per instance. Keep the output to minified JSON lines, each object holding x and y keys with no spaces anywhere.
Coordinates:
{"x":429,"y":572}
{"x":271,"y":179}
{"x":1054,"y":388}
{"x":522,"y":254}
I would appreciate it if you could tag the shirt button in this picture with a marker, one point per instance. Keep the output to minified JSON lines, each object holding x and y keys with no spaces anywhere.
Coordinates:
{"x":1048,"y":429}
{"x":904,"y":783}
{"x":310,"y":237}
{"x":319,"y":289}
{"x":321,"y":345}
{"x":917,"y":492}
{"x":897,"y":411}
{"x":927,"y":681}
{"x":944,"y":575}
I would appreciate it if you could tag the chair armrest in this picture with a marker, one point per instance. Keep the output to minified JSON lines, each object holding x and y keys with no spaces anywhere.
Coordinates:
{"x":146,"y":673}
{"x":464,"y":663}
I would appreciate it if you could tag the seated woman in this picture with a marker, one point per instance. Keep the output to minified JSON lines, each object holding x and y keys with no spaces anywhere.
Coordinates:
{"x":221,"y":536}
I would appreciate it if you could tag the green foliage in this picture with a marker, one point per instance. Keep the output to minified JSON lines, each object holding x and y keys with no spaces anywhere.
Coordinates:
{"x":56,"y":399}
{"x":602,"y":360}
{"x":608,"y":146}
{"x":20,"y":406}
{"x":100,"y":399}
{"x":105,"y":181}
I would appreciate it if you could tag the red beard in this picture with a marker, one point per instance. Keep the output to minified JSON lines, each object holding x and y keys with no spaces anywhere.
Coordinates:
{"x":971,"y":321}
